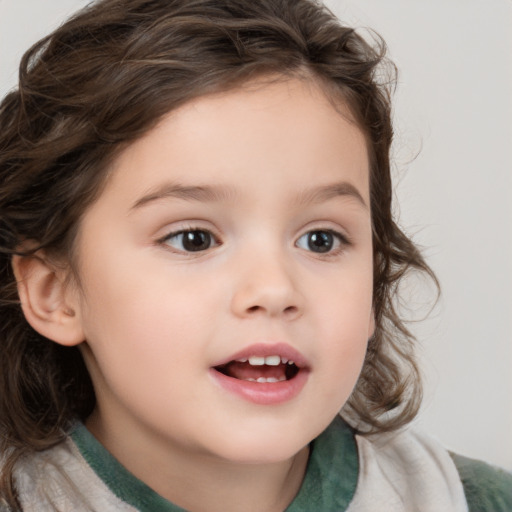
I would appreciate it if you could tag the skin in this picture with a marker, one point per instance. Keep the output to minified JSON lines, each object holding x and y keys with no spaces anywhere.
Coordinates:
{"x":155,"y":318}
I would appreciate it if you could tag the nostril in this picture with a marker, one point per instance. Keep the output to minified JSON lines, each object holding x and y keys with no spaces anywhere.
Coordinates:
{"x":286,"y":310}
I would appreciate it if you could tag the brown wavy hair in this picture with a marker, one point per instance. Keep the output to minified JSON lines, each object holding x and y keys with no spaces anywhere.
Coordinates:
{"x":101,"y":81}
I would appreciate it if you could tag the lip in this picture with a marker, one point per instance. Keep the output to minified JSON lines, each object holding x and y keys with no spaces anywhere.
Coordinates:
{"x":266,"y":393}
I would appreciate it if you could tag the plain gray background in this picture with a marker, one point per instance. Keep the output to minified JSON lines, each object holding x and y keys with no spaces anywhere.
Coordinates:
{"x":453,"y":169}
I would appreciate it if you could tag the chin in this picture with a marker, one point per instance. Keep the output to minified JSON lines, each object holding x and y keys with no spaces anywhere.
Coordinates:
{"x":258,"y":457}
{"x":261,"y":448}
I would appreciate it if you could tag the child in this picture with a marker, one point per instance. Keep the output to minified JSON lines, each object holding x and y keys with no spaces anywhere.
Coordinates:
{"x":199,"y":266}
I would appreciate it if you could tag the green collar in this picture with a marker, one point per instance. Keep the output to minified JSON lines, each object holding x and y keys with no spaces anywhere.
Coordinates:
{"x":329,"y":483}
{"x":331,"y":475}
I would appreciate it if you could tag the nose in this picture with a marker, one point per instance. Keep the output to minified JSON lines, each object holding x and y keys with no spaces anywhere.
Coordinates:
{"x":267,"y":285}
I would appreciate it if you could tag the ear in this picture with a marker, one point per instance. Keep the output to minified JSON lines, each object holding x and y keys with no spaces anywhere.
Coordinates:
{"x":48,"y":300}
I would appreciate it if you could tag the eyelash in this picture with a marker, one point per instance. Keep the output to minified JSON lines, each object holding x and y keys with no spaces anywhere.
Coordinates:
{"x":333,"y":235}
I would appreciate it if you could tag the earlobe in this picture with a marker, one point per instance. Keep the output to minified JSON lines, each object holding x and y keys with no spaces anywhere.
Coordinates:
{"x":46,"y":299}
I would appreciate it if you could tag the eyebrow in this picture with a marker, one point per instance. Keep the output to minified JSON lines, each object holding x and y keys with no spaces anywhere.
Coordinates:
{"x":206,"y":193}
{"x":217,"y":193}
{"x":330,"y":191}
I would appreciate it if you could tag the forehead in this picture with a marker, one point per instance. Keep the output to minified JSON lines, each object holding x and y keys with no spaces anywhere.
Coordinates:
{"x":288,"y":128}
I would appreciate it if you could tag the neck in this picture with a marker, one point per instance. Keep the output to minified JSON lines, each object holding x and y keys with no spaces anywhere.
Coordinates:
{"x":217,"y":485}
{"x":230,"y":487}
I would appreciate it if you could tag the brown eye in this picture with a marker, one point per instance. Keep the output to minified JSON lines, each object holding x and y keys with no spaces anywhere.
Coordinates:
{"x":190,"y":240}
{"x":321,"y":241}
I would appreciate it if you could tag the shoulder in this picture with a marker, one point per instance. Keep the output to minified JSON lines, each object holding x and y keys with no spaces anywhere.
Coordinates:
{"x":407,"y":470}
{"x":41,"y":476}
{"x":411,"y":461}
{"x":59,"y":478}
{"x":487,"y":488}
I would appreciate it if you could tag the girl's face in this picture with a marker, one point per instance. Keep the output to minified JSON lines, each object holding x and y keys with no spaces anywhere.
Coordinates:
{"x":235,"y":233}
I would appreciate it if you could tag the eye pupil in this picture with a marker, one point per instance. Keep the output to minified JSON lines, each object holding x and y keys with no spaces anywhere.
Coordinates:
{"x":320,"y":241}
{"x":196,"y":240}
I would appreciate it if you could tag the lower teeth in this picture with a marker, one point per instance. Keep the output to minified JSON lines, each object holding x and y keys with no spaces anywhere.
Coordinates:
{"x":264,"y":379}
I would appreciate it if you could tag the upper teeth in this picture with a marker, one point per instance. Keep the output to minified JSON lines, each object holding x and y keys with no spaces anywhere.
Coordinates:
{"x":268,"y":360}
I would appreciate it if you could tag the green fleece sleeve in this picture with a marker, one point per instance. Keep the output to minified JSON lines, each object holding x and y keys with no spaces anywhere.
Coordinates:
{"x":487,"y":488}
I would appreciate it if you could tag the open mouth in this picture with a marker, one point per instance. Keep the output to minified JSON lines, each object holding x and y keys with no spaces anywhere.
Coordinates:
{"x":268,"y":369}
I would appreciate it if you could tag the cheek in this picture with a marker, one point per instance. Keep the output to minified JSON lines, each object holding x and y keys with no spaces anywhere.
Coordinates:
{"x":347,"y":320}
{"x":142,"y":319}
{"x":146,"y":343}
